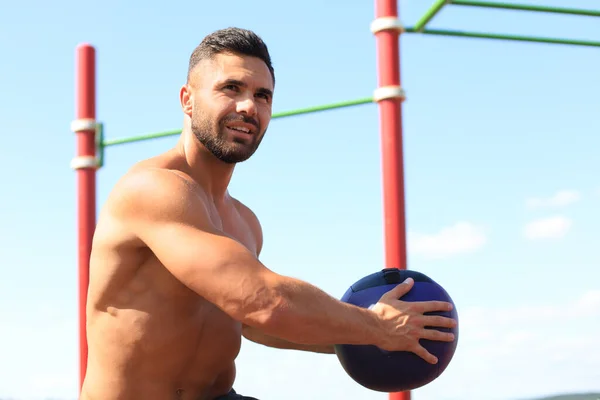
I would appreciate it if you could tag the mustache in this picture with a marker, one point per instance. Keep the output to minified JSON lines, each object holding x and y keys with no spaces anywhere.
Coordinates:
{"x":241,"y":118}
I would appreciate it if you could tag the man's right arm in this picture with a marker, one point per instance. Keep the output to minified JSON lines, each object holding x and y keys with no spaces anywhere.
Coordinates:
{"x":168,"y":216}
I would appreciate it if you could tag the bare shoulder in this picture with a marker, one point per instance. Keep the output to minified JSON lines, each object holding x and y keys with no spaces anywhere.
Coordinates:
{"x":153,"y":193}
{"x":252,"y":220}
{"x":143,"y":203}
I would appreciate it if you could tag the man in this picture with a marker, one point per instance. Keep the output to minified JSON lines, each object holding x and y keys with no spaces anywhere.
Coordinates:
{"x":175,"y":279}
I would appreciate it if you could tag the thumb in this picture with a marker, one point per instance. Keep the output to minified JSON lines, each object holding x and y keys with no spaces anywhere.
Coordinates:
{"x":401,"y":289}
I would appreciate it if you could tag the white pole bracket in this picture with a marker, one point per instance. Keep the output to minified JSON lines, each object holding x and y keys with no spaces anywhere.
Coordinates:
{"x":386,"y":24}
{"x":389,"y":92}
{"x":84,"y":124}
{"x":83,"y":162}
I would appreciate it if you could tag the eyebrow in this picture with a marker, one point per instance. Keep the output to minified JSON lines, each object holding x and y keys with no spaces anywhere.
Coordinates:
{"x":243,"y":84}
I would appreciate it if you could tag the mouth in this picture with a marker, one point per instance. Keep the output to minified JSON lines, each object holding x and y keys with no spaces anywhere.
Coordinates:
{"x":241,"y":129}
{"x":238,"y":129}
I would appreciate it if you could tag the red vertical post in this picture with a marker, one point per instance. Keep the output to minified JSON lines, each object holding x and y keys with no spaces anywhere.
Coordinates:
{"x":389,"y":98}
{"x":85,"y":165}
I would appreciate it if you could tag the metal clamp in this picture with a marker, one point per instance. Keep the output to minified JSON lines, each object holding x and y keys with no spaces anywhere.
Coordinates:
{"x":84,"y":124}
{"x":389,"y":92}
{"x":385,"y":24}
{"x":83,"y":162}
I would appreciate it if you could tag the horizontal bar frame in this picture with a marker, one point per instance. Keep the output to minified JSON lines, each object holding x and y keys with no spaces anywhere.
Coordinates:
{"x":525,"y":7}
{"x":497,"y":36}
{"x":419,"y":28}
{"x":435,"y":9}
{"x":307,"y":110}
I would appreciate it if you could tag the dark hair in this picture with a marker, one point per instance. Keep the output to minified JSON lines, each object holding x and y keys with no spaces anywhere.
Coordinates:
{"x":231,"y":40}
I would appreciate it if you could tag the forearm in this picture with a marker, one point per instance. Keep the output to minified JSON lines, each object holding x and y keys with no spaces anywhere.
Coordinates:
{"x":304,"y":314}
{"x":259,"y":337}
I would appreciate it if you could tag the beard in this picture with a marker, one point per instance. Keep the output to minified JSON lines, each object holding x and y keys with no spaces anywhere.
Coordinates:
{"x":213,"y":136}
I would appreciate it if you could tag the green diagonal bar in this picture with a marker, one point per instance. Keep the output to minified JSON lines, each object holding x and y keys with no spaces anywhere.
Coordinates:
{"x":131,"y":139}
{"x":364,"y":100}
{"x":524,"y":7}
{"x":441,"y":32}
{"x":433,"y":10}
{"x":343,"y":104}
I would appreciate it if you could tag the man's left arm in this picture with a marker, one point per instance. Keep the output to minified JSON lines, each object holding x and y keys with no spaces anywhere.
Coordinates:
{"x":256,"y":335}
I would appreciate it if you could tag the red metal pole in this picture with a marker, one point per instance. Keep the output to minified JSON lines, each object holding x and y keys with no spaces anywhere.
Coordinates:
{"x":388,"y":68}
{"x":84,"y":163}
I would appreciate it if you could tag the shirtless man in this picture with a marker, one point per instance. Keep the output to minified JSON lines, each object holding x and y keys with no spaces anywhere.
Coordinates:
{"x":175,"y":279}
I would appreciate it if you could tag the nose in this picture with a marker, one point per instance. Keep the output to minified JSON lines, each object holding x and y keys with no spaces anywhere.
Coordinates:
{"x":246,"y":106}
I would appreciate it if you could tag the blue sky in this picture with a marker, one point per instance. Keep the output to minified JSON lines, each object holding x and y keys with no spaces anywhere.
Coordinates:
{"x":501,"y":163}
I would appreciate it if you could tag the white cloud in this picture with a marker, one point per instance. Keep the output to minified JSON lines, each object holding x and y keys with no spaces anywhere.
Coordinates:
{"x":524,"y":352}
{"x":462,"y":237}
{"x":589,"y":302}
{"x":559,"y":199}
{"x":547,"y":228}
{"x":39,"y":356}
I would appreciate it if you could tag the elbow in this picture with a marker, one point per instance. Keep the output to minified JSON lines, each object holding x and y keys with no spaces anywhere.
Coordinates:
{"x":261,"y":318}
{"x":271,"y":318}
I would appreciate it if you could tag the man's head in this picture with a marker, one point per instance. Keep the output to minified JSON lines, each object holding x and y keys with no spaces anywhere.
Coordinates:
{"x":228,"y":94}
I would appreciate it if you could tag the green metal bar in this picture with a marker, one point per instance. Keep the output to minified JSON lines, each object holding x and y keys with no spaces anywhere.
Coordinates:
{"x":138,"y":138}
{"x":284,"y":114}
{"x":351,"y":103}
{"x":100,"y":143}
{"x":523,"y":7}
{"x":433,"y":10}
{"x":441,"y":32}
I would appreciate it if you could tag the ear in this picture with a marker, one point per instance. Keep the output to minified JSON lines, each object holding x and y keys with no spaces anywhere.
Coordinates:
{"x":185,"y":98}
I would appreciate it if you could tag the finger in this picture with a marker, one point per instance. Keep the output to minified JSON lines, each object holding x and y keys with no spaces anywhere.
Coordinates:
{"x":434,"y":334}
{"x":400,"y":289}
{"x":432,"y":306}
{"x":425,"y":355}
{"x":438,"y":321}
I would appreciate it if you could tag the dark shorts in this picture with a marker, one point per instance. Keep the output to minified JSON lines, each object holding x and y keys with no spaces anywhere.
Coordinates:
{"x":232,"y":395}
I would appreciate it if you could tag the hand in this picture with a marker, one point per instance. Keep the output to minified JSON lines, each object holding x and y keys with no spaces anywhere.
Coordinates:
{"x":403,"y":323}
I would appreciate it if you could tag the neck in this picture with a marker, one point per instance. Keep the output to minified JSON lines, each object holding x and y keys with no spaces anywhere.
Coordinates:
{"x":211,"y":173}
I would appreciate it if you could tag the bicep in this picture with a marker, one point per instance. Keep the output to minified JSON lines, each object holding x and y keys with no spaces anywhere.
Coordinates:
{"x":209,"y":263}
{"x":170,"y":219}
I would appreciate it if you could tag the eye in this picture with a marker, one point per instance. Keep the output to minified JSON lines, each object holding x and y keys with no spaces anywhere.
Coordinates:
{"x":230,"y":87}
{"x":263,"y":96}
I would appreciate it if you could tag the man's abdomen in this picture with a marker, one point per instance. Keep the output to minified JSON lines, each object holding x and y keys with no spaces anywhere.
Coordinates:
{"x":169,"y":351}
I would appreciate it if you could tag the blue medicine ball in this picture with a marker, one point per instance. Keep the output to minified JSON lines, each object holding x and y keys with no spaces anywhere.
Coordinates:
{"x":397,"y":371}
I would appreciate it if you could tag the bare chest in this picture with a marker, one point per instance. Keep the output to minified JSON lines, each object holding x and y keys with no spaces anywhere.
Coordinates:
{"x":231,"y":223}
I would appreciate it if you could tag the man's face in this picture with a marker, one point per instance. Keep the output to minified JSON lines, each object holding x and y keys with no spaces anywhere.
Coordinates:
{"x":231,"y":105}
